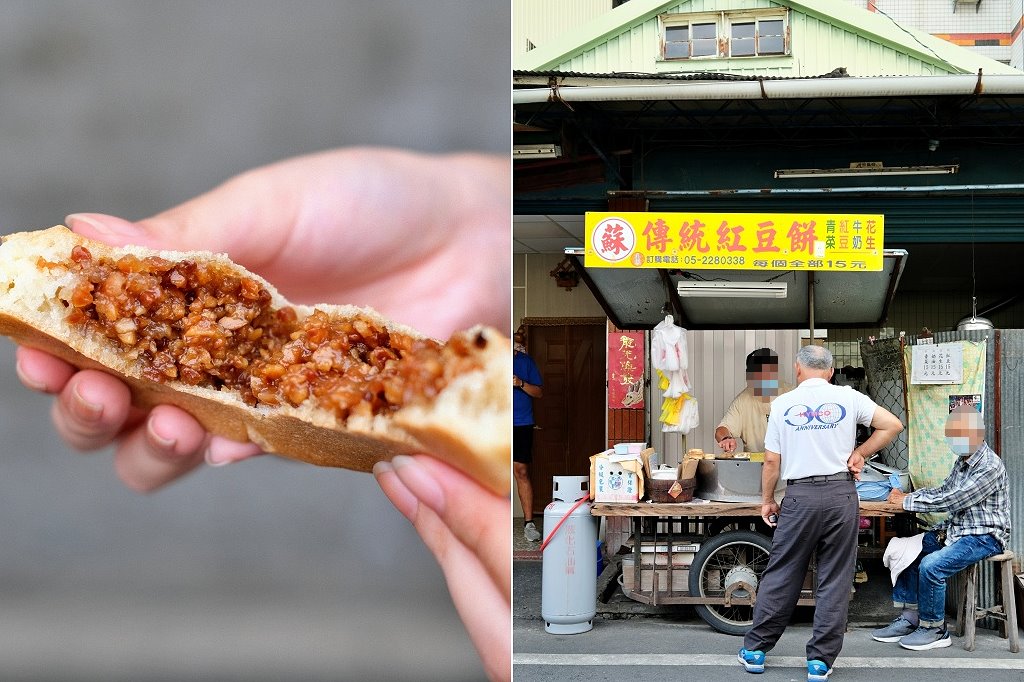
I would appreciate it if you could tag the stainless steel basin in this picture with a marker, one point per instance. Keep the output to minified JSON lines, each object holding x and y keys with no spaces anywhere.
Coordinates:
{"x":731,"y":480}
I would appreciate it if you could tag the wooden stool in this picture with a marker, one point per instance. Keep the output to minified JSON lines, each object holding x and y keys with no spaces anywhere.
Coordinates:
{"x":968,"y":613}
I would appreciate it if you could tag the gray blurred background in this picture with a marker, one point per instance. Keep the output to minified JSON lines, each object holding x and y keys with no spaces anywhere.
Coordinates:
{"x":267,"y":569}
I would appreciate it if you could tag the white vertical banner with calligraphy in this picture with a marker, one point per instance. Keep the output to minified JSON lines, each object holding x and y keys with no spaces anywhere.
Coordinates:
{"x":626,"y":370}
{"x":940,"y":363}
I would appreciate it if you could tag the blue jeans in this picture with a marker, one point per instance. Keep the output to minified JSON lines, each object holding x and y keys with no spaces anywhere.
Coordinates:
{"x":923,"y":583}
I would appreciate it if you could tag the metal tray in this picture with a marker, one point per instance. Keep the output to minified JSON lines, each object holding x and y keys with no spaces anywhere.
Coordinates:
{"x":731,"y":480}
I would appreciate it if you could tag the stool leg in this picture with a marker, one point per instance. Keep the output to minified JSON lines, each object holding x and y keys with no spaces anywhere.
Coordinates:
{"x":970,"y":607}
{"x":1010,"y":606}
{"x":961,"y":603}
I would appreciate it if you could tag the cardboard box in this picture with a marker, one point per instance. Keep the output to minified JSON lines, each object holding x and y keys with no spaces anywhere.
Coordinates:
{"x":616,"y":477}
{"x":649,"y":458}
{"x":688,"y":469}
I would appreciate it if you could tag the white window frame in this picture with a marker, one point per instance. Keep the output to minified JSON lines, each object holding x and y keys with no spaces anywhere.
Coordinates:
{"x":690,"y":20}
{"x":756,"y":18}
{"x":723,"y":22}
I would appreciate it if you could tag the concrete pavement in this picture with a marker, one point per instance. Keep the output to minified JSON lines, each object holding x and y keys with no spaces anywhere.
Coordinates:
{"x":635,"y":642}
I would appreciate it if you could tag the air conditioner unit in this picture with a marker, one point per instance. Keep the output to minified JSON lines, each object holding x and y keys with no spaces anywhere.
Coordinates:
{"x":976,"y":3}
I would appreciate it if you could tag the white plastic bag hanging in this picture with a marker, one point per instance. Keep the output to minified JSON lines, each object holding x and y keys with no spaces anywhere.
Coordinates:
{"x":668,"y":353}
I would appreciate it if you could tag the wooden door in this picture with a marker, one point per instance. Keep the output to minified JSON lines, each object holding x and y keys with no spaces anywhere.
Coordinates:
{"x":571,"y":414}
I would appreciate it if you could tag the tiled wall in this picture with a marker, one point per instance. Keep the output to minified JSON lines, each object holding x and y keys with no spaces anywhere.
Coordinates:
{"x":992,"y":28}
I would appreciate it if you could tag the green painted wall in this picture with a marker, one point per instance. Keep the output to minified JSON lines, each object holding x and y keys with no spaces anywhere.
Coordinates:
{"x":819,"y":45}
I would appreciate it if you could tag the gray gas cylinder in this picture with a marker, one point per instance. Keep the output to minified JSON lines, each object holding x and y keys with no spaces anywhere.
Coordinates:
{"x":569,"y":590}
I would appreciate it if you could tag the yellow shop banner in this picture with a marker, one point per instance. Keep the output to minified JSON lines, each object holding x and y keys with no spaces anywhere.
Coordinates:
{"x":735,"y":241}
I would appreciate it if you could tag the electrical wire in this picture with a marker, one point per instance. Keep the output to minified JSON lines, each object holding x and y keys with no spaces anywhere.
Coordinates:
{"x":974,"y":280}
{"x":916,"y":40}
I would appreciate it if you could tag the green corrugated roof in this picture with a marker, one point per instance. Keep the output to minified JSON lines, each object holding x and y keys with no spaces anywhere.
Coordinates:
{"x":871,"y":41}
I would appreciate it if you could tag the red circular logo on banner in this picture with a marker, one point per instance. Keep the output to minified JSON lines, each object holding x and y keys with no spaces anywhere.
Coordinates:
{"x":613,"y":239}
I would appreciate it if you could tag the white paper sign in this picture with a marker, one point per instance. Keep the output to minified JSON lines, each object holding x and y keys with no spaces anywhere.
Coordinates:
{"x":941,"y":363}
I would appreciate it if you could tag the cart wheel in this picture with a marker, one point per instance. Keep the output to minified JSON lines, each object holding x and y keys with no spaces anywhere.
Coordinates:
{"x":729,"y":564}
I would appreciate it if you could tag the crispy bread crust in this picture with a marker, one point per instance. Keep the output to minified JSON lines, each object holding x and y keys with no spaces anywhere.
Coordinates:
{"x":466,"y":426}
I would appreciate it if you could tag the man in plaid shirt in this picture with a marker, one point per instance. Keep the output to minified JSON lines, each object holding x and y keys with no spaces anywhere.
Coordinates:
{"x":976,"y":496}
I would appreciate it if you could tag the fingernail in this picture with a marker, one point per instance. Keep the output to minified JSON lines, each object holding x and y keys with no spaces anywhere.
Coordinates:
{"x":396,"y":491}
{"x":221,"y":451}
{"x":419,"y":482}
{"x":161,"y":442}
{"x":84,"y":409}
{"x":216,"y":459}
{"x":114,"y":227}
{"x":27,"y":380}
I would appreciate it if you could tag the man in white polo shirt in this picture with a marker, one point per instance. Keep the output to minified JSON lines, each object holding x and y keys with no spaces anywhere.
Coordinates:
{"x":812,"y":431}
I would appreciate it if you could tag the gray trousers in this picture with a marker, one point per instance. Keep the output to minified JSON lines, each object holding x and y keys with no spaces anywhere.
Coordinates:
{"x":817,"y":518}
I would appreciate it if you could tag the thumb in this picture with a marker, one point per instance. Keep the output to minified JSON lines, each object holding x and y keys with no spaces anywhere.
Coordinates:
{"x":249,"y":217}
{"x":192,"y":226}
{"x":183,"y":229}
{"x":109,"y":229}
{"x":168,"y":231}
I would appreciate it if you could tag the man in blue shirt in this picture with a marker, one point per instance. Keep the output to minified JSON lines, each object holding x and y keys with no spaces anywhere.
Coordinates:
{"x":976,"y":496}
{"x":526,"y":385}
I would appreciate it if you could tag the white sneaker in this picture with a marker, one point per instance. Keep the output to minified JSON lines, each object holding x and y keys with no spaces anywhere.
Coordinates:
{"x":531,"y":532}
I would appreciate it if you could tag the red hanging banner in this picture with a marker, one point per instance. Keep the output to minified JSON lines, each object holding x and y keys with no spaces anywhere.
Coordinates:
{"x":625,"y":370}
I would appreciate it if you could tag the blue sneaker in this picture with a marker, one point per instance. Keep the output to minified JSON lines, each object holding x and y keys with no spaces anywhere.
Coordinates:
{"x":753,"y":661}
{"x":817,"y":671}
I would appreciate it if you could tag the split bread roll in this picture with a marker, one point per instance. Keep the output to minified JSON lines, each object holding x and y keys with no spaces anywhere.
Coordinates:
{"x":331,"y":385}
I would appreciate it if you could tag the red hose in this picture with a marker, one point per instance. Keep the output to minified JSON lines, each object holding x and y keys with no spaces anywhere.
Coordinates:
{"x":585,"y":498}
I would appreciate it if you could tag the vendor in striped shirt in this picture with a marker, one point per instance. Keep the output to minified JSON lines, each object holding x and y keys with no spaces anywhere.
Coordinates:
{"x":976,"y":496}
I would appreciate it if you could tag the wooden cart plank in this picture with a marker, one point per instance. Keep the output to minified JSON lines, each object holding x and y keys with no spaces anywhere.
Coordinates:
{"x":662,"y":598}
{"x":716,"y":509}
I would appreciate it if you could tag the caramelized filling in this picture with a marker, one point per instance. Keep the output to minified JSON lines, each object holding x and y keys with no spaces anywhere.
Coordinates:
{"x":204,"y":325}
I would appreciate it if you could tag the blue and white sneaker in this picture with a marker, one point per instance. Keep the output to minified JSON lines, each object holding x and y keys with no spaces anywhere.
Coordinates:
{"x":753,"y":661}
{"x":817,"y":671}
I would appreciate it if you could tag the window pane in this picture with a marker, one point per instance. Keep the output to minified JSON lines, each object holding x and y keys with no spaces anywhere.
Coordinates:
{"x":770,"y":45}
{"x":677,"y":33}
{"x":743,"y":30}
{"x":679,"y":50}
{"x":742,"y":47}
{"x":770,"y":28}
{"x":704,"y":30}
{"x":705,"y":48}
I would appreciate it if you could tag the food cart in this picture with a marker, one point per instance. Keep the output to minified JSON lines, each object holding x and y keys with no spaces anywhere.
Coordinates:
{"x":721,"y":578}
{"x":711,"y":553}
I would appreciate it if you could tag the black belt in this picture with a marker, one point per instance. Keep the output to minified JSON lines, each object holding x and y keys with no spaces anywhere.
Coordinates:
{"x":841,"y":476}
